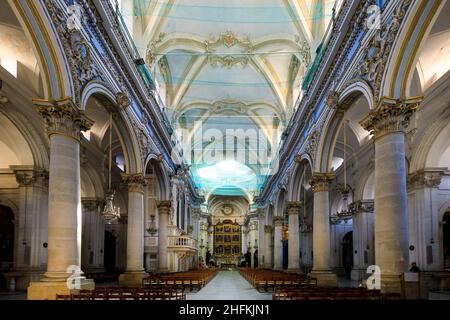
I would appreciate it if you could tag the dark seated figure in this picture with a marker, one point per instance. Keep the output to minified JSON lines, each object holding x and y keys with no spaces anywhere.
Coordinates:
{"x":414,"y":268}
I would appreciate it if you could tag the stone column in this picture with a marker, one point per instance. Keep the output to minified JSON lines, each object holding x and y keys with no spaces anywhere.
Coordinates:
{"x":278,"y":243}
{"x":244,"y":232}
{"x":195,"y":223}
{"x":363,"y":233}
{"x":253,"y":240}
{"x":268,"y":230}
{"x":261,"y":238}
{"x":64,"y":122}
{"x":93,"y":234}
{"x":29,"y":253}
{"x":164,"y":208}
{"x":135,"y":231}
{"x":294,"y":239}
{"x":425,"y":221}
{"x":387,"y":122}
{"x":211,"y":239}
{"x":321,"y":230}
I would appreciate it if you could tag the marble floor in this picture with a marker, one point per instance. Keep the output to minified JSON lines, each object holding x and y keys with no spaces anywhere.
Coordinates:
{"x":228,"y":285}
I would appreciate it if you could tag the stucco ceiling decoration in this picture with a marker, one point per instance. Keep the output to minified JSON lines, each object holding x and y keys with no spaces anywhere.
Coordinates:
{"x":214,"y":59}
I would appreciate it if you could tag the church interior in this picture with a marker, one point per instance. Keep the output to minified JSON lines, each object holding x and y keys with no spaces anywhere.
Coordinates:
{"x":210,"y":149}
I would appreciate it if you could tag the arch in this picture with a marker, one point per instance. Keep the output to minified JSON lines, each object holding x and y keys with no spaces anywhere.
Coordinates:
{"x":161,"y":174}
{"x":279,"y":205}
{"x":301,"y":174}
{"x":433,"y":144}
{"x":269,"y":217}
{"x":404,"y":53}
{"x":50,"y":53}
{"x":121,"y":123}
{"x":365,"y":185}
{"x":96,"y":87}
{"x":351,"y":94}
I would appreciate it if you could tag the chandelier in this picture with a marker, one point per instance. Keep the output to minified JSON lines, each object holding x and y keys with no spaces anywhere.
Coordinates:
{"x":346,"y":212}
{"x":111,"y":213}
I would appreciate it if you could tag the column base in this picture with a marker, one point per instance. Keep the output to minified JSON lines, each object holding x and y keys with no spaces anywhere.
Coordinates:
{"x":359,"y":274}
{"x":325,"y":278}
{"x":391,"y":283}
{"x":47,"y":289}
{"x":132,"y":278}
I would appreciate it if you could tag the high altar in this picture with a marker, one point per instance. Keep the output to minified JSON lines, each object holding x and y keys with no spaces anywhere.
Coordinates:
{"x":227,"y":243}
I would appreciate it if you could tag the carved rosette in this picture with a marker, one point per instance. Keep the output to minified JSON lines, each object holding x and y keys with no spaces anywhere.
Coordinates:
{"x":268,"y":229}
{"x":278,"y":221}
{"x":62,"y":117}
{"x":164,"y":207}
{"x":292,"y":207}
{"x":425,"y":178}
{"x":135,"y":182}
{"x":321,"y":181}
{"x":332,"y":99}
{"x":391,"y":115}
{"x":122,"y":100}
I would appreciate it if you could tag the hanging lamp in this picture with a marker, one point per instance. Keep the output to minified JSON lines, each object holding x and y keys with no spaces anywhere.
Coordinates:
{"x":111,"y":213}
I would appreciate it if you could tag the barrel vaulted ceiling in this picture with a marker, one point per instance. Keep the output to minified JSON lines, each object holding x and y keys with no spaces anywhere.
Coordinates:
{"x":229,"y":59}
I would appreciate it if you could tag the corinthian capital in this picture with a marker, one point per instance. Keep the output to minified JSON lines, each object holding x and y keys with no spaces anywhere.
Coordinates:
{"x":391,"y":115}
{"x":292,"y":207}
{"x":425,"y":178}
{"x":321,"y":181}
{"x":135,"y":182}
{"x":278,"y":221}
{"x":164,"y":207}
{"x":62,"y":117}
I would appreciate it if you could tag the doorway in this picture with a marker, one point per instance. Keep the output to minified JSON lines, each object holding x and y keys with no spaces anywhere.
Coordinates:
{"x":446,"y":238}
{"x":6,"y":241}
{"x":347,"y":254}
{"x":110,"y":251}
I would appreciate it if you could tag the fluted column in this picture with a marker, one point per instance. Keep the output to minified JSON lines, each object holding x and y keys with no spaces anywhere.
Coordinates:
{"x":294,"y":239}
{"x":321,"y":230}
{"x":268,"y":230}
{"x":424,"y":219}
{"x":29,"y":252}
{"x":93,"y":234}
{"x":64,"y":122}
{"x":164,"y":208}
{"x":135,"y":230}
{"x":363,"y":233}
{"x":277,"y":243}
{"x":387,"y":123}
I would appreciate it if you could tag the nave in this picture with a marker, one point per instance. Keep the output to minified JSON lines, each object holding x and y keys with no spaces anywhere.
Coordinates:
{"x":228,"y":285}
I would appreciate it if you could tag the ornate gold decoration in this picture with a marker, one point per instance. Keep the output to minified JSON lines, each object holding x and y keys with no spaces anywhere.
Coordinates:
{"x":62,"y":117}
{"x":391,"y":115}
{"x":135,"y":182}
{"x":321,"y":181}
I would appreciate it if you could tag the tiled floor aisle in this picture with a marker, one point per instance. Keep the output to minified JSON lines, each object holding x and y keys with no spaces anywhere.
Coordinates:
{"x":228,"y":285}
